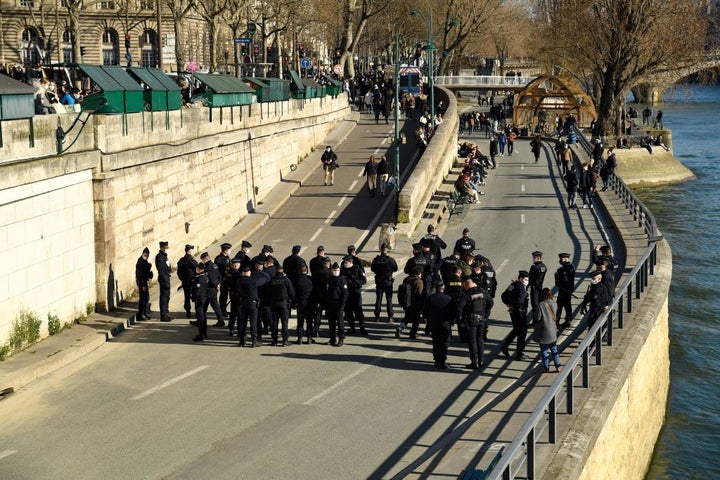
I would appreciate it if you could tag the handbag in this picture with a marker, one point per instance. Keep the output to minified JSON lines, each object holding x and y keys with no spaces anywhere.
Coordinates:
{"x":391,"y":181}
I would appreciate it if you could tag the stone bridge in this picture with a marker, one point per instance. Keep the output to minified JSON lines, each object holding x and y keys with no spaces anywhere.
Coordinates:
{"x":652,"y":89}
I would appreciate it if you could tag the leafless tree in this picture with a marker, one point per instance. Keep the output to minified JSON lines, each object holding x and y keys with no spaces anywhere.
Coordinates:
{"x":178,"y":11}
{"x":212,"y":12}
{"x":612,"y":45}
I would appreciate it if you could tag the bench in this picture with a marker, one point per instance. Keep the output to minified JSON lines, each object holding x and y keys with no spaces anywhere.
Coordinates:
{"x":456,"y":203}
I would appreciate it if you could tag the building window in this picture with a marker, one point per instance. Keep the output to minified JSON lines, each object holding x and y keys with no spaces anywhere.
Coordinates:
{"x":107,"y":5}
{"x":30,"y":48}
{"x":110,"y":47}
{"x":67,"y":47}
{"x":148,"y":45}
{"x":147,"y":5}
{"x":27,"y":3}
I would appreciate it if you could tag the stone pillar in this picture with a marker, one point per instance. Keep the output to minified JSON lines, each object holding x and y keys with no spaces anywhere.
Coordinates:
{"x":104,"y":207}
{"x":647,"y":94}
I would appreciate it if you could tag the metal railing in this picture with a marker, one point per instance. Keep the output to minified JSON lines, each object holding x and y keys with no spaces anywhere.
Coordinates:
{"x":576,"y":373}
{"x":484,"y":81}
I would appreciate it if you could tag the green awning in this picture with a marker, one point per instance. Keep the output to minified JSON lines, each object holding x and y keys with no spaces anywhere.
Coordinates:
{"x":10,"y":86}
{"x":119,"y":93}
{"x":256,"y":81}
{"x":333,"y":82}
{"x":224,"y":83}
{"x":297,"y":81}
{"x":17,"y":100}
{"x":150,"y":81}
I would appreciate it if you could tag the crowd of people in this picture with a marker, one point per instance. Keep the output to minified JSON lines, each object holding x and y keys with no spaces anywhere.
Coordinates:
{"x":253,"y":296}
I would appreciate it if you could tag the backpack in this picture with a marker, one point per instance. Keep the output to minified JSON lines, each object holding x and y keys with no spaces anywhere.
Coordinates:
{"x":507,"y":294}
{"x":404,"y":293}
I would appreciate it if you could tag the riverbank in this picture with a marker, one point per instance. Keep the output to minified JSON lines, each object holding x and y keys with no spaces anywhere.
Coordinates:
{"x":638,"y":168}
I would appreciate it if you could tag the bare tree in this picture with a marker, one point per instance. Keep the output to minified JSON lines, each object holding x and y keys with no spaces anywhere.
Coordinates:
{"x":178,"y":11}
{"x":212,"y":11}
{"x":356,"y":14}
{"x":611,"y":45}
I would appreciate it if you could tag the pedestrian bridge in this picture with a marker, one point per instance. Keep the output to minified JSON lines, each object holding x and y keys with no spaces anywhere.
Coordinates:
{"x":483,"y":82}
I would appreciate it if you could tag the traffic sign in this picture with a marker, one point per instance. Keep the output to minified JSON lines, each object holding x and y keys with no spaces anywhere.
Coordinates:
{"x":241,"y":40}
{"x":305,"y":63}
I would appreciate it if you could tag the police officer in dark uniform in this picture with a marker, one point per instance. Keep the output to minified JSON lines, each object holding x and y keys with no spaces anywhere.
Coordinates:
{"x":448,"y":266}
{"x":303,"y":286}
{"x":185,"y":272}
{"x":247,"y":294}
{"x":337,"y":295}
{"x":143,"y":275}
{"x":162,"y":265}
{"x":320,"y":280}
{"x":565,"y":282}
{"x":293,"y":262}
{"x":517,"y":303}
{"x":244,"y":255}
{"x":596,"y":299}
{"x":417,"y":260}
{"x":437,"y":245}
{"x":473,"y":309}
{"x":605,"y":253}
{"x":436,"y":311}
{"x":537,"y":277}
{"x":608,"y":279}
{"x":318,"y":261}
{"x":383,"y":266}
{"x":223,"y":263}
{"x":465,"y":244}
{"x":431,"y":278}
{"x":484,"y":276}
{"x":355,"y":278}
{"x":200,"y":287}
{"x":268,"y":266}
{"x":454,"y":288}
{"x":214,"y":282}
{"x":356,"y":260}
{"x":281,"y":297}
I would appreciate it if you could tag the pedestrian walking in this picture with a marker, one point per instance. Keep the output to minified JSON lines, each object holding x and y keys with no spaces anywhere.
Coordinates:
{"x":371,"y":172}
{"x":546,"y":332}
{"x":515,"y":297}
{"x":435,"y":312}
{"x":330,"y":162}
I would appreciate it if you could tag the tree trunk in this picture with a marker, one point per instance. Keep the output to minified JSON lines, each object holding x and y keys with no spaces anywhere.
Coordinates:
{"x":604,"y":120}
{"x":179,"y":60}
{"x":213,"y":33}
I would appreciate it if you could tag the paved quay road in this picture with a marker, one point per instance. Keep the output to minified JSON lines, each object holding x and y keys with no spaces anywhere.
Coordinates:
{"x":152,"y":404}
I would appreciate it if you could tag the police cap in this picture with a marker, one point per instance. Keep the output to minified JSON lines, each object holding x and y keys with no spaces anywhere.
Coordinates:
{"x":267,"y":248}
{"x":205,"y":255}
{"x":335,"y":266}
{"x":563,"y":255}
{"x":235,"y":261}
{"x":524,"y":274}
{"x":416,"y":246}
{"x":384,"y":246}
{"x":537,"y":253}
{"x":189,"y":247}
{"x":605,"y":249}
{"x":595,"y":273}
{"x":246,"y":244}
{"x":466,"y":230}
{"x":259,"y":261}
{"x":146,"y":250}
{"x":245,"y":268}
{"x":225,"y":246}
{"x":348,"y":258}
{"x":163,"y":244}
{"x":351,"y":248}
{"x":200,"y":266}
{"x":320,"y":248}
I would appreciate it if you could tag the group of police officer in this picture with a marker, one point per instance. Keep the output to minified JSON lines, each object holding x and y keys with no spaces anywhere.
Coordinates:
{"x":457,"y":289}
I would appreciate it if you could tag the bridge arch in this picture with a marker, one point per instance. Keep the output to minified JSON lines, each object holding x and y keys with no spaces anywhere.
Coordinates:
{"x":553,"y":96}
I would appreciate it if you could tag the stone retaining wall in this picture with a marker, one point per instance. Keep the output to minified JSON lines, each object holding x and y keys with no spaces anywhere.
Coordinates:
{"x":74,"y":225}
{"x":432,"y":168}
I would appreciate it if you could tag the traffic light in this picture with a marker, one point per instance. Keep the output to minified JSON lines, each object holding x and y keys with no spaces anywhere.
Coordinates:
{"x":243,"y":50}
{"x":271,"y":54}
{"x":256,"y":50}
{"x":127,"y":41}
{"x":301,"y":51}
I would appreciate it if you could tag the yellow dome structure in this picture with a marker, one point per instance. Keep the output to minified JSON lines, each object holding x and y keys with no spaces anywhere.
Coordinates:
{"x":547,"y":97}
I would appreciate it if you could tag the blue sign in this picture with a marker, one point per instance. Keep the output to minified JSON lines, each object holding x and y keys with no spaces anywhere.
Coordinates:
{"x":305,"y":63}
{"x":241,"y":40}
{"x":128,"y":56}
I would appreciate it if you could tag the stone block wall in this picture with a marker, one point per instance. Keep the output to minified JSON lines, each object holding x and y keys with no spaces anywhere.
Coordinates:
{"x":433,"y":166}
{"x":72,"y":226}
{"x":47,"y":233}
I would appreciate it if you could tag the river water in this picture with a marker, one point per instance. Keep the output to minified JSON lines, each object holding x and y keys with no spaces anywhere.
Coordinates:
{"x":689,"y":217}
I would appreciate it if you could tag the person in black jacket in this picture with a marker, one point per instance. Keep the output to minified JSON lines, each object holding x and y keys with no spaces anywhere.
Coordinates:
{"x":162,"y":265}
{"x":303,"y":286}
{"x":436,"y":311}
{"x":473,"y":309}
{"x":185,"y":272}
{"x":596,"y":300}
{"x":246,"y":287}
{"x":281,"y":294}
{"x":318,"y":299}
{"x":517,"y":304}
{"x":330,"y":162}
{"x":565,"y":281}
{"x":214,"y":282}
{"x":383,"y":172}
{"x":535,"y":147}
{"x":355,"y":278}
{"x":292,"y":263}
{"x":143,"y":275}
{"x":383,"y":266}
{"x":337,"y":295}
{"x":537,"y":278}
{"x":572,"y":185}
{"x":200,"y":287}
{"x":223,"y":263}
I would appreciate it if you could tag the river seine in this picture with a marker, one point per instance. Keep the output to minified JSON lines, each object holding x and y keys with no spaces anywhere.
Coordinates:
{"x":689,"y":217}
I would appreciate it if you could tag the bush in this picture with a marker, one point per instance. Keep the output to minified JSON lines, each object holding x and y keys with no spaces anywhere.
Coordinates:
{"x":25,"y":331}
{"x":4,"y":352}
{"x":54,"y":326}
{"x":89,"y":308}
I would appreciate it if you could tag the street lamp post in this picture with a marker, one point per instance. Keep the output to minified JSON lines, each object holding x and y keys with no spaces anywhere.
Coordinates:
{"x":397,"y":128}
{"x":431,"y":61}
